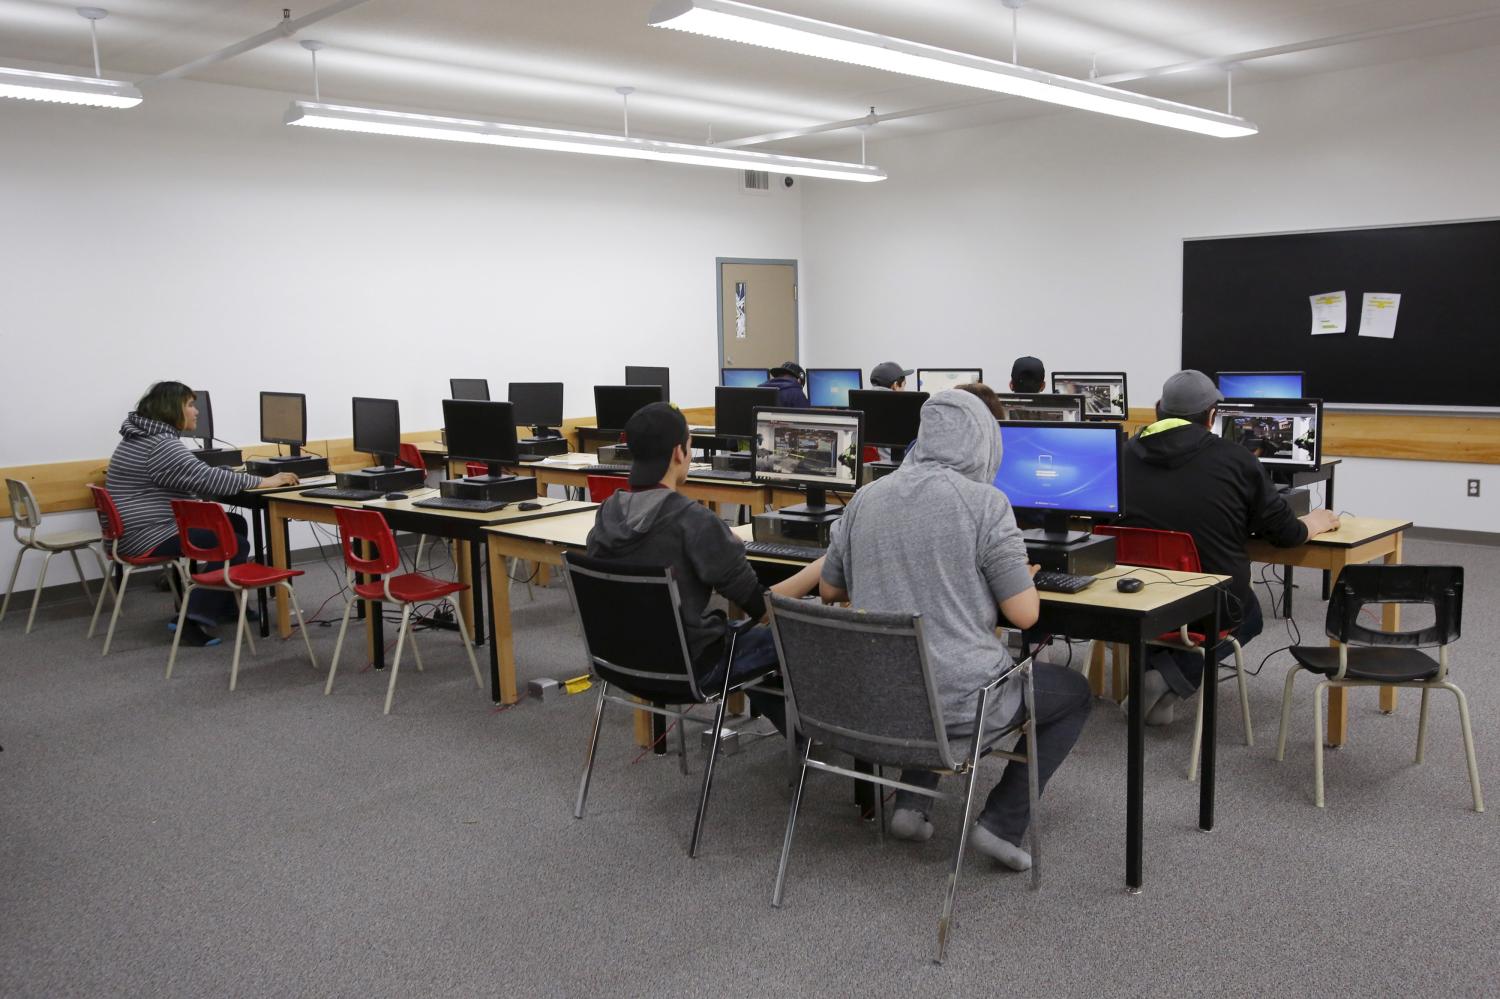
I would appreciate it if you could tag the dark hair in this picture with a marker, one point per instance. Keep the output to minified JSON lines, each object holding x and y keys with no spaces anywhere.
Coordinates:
{"x":164,"y":403}
{"x":1199,"y":418}
{"x":986,"y":395}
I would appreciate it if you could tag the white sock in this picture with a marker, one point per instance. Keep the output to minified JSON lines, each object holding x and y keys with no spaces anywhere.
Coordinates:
{"x":908,"y":823}
{"x":1006,"y":852}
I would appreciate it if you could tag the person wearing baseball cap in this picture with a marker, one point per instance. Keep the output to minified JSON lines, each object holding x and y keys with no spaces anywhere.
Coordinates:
{"x":889,"y":375}
{"x":650,"y":522}
{"x":1027,"y":375}
{"x":788,"y":379}
{"x":1180,"y":476}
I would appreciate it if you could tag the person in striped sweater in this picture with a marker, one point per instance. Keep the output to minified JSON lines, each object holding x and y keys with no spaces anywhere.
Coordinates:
{"x":152,"y":466}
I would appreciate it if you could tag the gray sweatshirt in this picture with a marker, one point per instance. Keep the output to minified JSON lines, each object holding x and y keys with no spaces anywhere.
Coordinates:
{"x":936,"y":537}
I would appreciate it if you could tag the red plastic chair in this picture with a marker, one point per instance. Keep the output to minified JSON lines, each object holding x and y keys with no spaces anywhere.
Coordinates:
{"x":111,"y":530}
{"x":411,"y":457}
{"x":200,"y":515}
{"x":1157,"y":549}
{"x":602,"y":487}
{"x":406,"y":588}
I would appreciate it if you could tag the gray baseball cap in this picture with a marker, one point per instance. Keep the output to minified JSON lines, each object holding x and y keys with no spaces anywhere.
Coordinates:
{"x":1189,"y":393}
{"x":888,"y":373}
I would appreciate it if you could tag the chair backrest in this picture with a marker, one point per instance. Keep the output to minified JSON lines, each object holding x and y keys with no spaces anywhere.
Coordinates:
{"x":201,"y":515}
{"x":409,"y":456}
{"x":860,"y":681}
{"x":23,"y":505}
{"x":1440,"y":586}
{"x":632,"y":627}
{"x":1153,"y":548}
{"x":476,"y":468}
{"x":370,"y":527}
{"x":111,"y":526}
{"x":602,"y":487}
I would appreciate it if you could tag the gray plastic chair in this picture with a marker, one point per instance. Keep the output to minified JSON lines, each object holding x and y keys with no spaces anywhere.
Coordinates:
{"x":861,"y":683}
{"x":28,"y":519}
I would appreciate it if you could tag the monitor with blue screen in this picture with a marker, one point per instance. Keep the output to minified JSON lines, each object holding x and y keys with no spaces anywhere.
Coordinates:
{"x":743,"y":377}
{"x":1260,"y":384}
{"x":1061,"y":470}
{"x":828,"y":388}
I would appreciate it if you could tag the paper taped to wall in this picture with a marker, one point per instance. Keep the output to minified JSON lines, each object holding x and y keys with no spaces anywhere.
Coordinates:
{"x":1330,"y":313}
{"x":1378,"y":318}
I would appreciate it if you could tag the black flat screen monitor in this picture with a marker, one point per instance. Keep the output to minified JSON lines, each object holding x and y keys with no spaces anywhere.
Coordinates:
{"x":614,"y":405}
{"x":935,"y":380}
{"x":283,"y":419}
{"x":377,"y":430}
{"x":1041,"y":407}
{"x":538,"y":405}
{"x":734,"y":409}
{"x":469,"y":388}
{"x":829,"y":388}
{"x":635,"y":375}
{"x":1103,"y":392}
{"x":744,"y":377}
{"x":479,"y":430}
{"x":1061,"y":470}
{"x":204,"y":431}
{"x":811,"y":449}
{"x":1260,"y":384}
{"x":891,"y":418}
{"x":1285,"y":434}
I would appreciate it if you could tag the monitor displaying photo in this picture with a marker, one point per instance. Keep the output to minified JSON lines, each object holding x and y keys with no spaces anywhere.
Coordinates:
{"x":1281,"y":432}
{"x":1103,"y":392}
{"x":807,"y":447}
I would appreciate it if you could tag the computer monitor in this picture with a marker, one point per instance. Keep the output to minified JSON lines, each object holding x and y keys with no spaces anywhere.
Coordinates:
{"x":812,"y":449}
{"x":1260,"y":384}
{"x":377,"y":431}
{"x":479,"y":430}
{"x":469,"y":388}
{"x":734,"y":409}
{"x":743,"y":377}
{"x":1103,"y":392}
{"x":614,"y":405}
{"x":205,"y":429}
{"x":829,"y":388}
{"x":891,"y":418}
{"x":651,"y":376}
{"x":1061,"y":470}
{"x":1284,"y":434}
{"x":1041,"y":408}
{"x":283,"y":420}
{"x":935,"y":380}
{"x":538,"y":405}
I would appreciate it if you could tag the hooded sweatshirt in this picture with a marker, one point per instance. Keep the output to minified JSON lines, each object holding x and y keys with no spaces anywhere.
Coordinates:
{"x":661,"y":527}
{"x":937,"y":538}
{"x":789,"y":392}
{"x":1180,"y":477}
{"x":150,"y":468}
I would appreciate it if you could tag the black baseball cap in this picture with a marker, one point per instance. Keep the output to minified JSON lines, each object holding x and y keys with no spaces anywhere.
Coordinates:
{"x":791,"y":368}
{"x":652,"y":432}
{"x":1027,"y":369}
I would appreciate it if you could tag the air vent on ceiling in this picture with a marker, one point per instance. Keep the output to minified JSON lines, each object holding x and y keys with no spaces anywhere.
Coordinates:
{"x":757,"y":182}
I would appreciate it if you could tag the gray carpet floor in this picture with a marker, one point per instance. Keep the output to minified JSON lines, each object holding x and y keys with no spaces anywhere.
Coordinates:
{"x":170,"y":838}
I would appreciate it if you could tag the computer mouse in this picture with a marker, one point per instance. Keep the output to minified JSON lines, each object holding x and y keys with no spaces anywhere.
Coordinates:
{"x":530,"y":505}
{"x":395,"y":496}
{"x":1130,"y":585}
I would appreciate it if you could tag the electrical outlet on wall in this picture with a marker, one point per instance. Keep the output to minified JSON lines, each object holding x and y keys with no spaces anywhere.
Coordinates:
{"x":1474,"y":487}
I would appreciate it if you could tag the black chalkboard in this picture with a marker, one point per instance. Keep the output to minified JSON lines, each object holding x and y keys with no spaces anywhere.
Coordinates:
{"x":1245,"y":308}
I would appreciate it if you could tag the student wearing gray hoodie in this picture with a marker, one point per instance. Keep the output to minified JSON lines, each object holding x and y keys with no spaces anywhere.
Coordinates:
{"x":936,"y":537}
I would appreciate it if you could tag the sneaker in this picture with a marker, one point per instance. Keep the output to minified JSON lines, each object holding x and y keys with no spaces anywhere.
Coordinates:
{"x":1003,"y":850}
{"x":194,"y":634}
{"x":908,"y":823}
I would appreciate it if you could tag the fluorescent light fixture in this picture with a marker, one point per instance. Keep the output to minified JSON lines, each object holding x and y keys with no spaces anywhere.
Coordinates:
{"x":58,"y":88}
{"x":344,"y":118}
{"x":742,"y":22}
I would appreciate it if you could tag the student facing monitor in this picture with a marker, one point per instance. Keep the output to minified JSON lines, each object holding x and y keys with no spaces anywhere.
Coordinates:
{"x":479,"y":430}
{"x":1061,"y":470}
{"x":935,"y":380}
{"x":1103,"y":392}
{"x":204,"y":431}
{"x":744,"y":377}
{"x":469,"y":388}
{"x":377,"y":431}
{"x":1260,"y":384}
{"x":283,"y":420}
{"x":829,"y":388}
{"x":891,"y":418}
{"x":614,"y":405}
{"x":1282,"y":433}
{"x":1041,"y":408}
{"x":538,"y":405}
{"x":814,"y":450}
{"x":651,"y":376}
{"x":734,"y":410}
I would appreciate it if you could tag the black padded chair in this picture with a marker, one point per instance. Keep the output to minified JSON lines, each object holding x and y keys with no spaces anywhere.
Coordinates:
{"x":1366,"y":657}
{"x":860,"y":682}
{"x":633,"y":635}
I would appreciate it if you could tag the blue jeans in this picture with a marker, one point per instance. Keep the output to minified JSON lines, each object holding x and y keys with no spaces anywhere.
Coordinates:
{"x":212,"y":607}
{"x":1183,"y":670}
{"x":754,"y":650}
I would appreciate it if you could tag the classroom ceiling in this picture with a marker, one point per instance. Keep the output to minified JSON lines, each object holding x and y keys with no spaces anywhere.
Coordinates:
{"x":557,"y":62}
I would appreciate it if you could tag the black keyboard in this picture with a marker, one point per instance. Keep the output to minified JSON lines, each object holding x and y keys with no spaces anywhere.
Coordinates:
{"x":457,"y":503}
{"x":775,"y":549}
{"x":607,"y":469}
{"x":723,"y":475}
{"x":332,"y":492}
{"x":1061,"y":582}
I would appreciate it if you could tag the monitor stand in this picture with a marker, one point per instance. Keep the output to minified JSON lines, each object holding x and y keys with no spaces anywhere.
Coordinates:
{"x":1054,"y":531}
{"x":816,"y":508}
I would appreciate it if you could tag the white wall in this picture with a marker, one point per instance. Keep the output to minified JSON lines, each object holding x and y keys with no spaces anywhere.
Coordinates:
{"x":1061,"y":235}
{"x":198,"y":238}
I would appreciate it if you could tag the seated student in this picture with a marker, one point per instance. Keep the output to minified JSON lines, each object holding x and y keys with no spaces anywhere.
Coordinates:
{"x":889,"y":375}
{"x":789,"y":380}
{"x":1181,"y":477}
{"x":986,"y":395}
{"x":937,"y":537}
{"x":151,"y":467}
{"x":1028,"y":376}
{"x":651,"y":523}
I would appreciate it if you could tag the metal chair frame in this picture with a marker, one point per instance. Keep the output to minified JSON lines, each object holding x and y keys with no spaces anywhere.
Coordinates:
{"x":28,"y":517}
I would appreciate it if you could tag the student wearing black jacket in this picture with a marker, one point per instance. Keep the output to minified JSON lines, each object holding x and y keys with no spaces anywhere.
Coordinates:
{"x":1179,"y":476}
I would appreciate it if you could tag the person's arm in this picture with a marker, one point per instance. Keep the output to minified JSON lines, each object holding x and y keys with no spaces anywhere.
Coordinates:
{"x":1271,"y":517}
{"x":833,"y":582}
{"x":1002,"y":559}
{"x":174,"y":468}
{"x":718,"y":558}
{"x":1320,"y":522}
{"x":1024,"y":608}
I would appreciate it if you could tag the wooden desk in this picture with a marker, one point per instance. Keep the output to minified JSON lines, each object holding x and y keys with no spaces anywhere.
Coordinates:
{"x":1358,"y":540}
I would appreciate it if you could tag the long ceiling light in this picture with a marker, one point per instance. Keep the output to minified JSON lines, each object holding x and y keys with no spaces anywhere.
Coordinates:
{"x":742,"y":22}
{"x":346,"y":118}
{"x":59,"y":88}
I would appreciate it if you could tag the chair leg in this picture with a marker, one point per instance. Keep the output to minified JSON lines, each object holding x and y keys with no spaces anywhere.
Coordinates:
{"x":15,"y":570}
{"x":708,"y":774}
{"x":241,"y":628}
{"x":291,"y":597}
{"x":114,"y":615}
{"x":1468,"y":732}
{"x":463,"y":633}
{"x":945,"y":921}
{"x":1239,"y":673}
{"x":390,"y":690}
{"x":682,"y":746}
{"x":421,"y":543}
{"x":416,"y":651}
{"x":1033,"y":784}
{"x":338,"y":646}
{"x":588,"y":764}
{"x":36,"y":594}
{"x":181,"y":623}
{"x":1286,"y":712}
{"x":249,"y":631}
{"x":1318,"y":743}
{"x":104,"y":587}
{"x":791,"y":829}
{"x":78,"y":568}
{"x":1422,"y":724}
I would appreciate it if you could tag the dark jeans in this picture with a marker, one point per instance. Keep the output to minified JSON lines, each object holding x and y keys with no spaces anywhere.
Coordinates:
{"x":754,"y":650}
{"x":1063,"y":701}
{"x":1183,"y":670}
{"x":211,"y":607}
